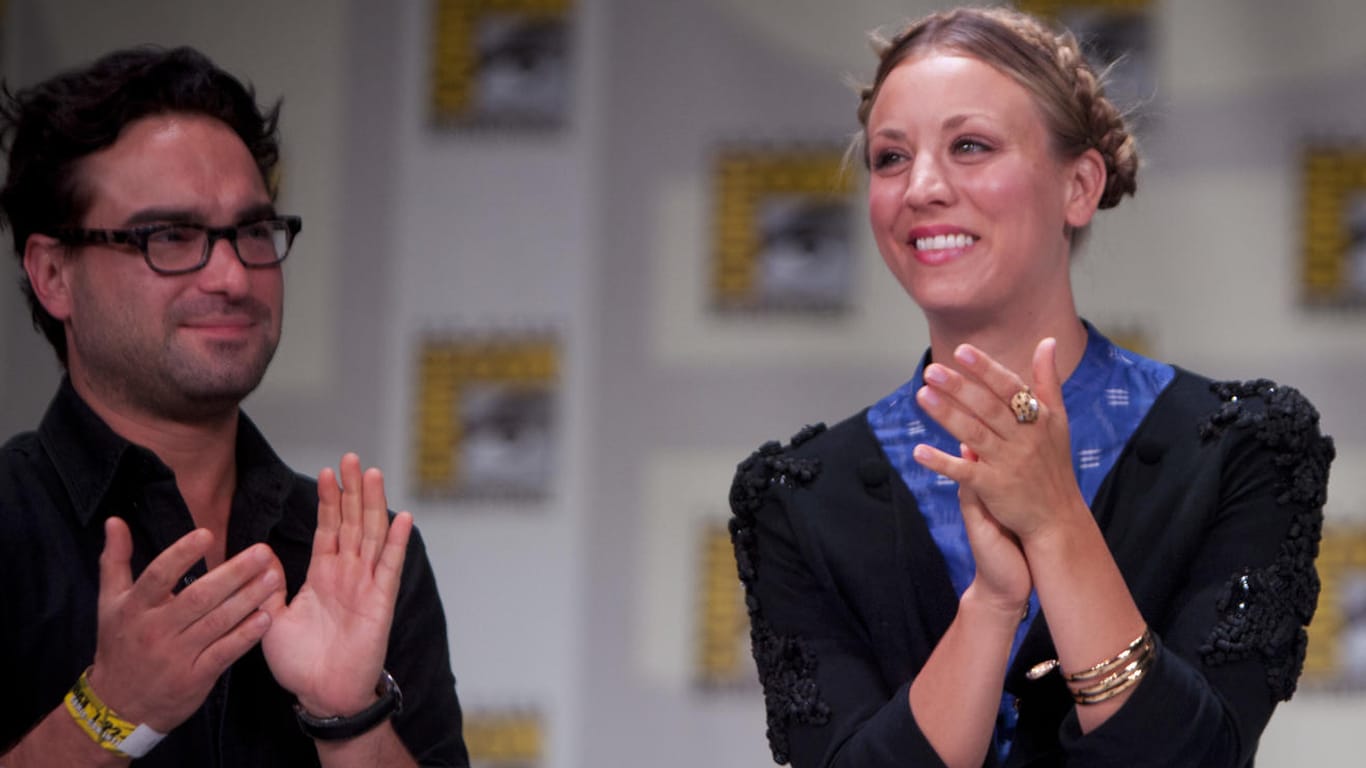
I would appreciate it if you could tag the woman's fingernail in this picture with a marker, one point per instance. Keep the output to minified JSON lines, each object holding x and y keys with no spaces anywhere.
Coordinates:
{"x":929,"y":396}
{"x":966,"y":354}
{"x":936,"y":375}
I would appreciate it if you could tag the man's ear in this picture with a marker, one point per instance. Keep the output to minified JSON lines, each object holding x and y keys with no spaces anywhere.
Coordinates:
{"x":46,"y":262}
{"x":1086,"y":184}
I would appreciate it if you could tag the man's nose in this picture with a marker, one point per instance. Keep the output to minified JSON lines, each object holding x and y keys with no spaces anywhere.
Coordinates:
{"x":224,"y":272}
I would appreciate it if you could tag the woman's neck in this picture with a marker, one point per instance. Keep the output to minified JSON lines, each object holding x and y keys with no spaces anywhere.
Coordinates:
{"x":1012,"y":343}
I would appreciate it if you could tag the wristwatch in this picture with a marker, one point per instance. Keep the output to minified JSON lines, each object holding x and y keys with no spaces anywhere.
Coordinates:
{"x":340,"y":728}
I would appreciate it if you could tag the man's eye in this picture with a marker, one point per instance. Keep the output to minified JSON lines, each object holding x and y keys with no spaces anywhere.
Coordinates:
{"x":174,"y":235}
{"x":258,"y":231}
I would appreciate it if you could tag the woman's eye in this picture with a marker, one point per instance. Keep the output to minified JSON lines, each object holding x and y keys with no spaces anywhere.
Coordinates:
{"x":969,"y":146}
{"x":886,"y":157}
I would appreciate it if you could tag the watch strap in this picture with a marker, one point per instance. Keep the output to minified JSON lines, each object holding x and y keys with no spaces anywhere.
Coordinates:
{"x":339,"y":728}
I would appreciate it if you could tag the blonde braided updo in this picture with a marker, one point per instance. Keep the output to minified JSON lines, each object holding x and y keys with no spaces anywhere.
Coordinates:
{"x":1048,"y":64}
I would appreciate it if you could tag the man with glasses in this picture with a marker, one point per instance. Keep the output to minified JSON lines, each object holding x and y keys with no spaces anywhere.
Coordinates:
{"x":173,"y":592}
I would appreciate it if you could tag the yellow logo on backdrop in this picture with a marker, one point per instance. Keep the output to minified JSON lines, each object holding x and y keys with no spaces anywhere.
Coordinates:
{"x":504,"y":738}
{"x":723,"y":658}
{"x":781,"y":229}
{"x":484,"y":414}
{"x":1336,"y":657}
{"x":500,"y":62}
{"x":1334,"y":268}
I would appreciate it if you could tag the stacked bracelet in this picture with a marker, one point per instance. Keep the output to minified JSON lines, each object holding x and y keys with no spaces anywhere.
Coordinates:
{"x":102,"y":724}
{"x":1109,"y":678}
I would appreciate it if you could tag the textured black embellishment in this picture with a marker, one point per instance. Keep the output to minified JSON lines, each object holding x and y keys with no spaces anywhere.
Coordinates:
{"x":1264,"y":611}
{"x":787,"y":669}
{"x":786,"y":665}
{"x":809,"y":431}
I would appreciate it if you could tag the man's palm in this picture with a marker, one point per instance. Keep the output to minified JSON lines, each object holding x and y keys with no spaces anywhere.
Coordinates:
{"x":327,"y":645}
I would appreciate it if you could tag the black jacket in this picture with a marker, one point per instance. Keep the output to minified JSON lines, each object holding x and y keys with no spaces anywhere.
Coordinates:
{"x":1212,"y":512}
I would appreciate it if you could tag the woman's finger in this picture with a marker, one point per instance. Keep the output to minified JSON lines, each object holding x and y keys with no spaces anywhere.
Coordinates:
{"x":1000,"y":380}
{"x":1047,"y":386}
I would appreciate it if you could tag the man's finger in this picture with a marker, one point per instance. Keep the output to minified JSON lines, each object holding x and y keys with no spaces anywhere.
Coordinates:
{"x":352,"y":527}
{"x":329,"y":514}
{"x":375,"y":511}
{"x":116,"y":575}
{"x":275,"y":604}
{"x":208,"y":593}
{"x":390,"y":567}
{"x":235,"y":608}
{"x":156,"y":583}
{"x":219,"y":655}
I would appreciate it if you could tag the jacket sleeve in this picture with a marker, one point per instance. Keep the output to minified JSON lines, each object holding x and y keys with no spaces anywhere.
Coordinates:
{"x":827,"y":701}
{"x":419,"y":659}
{"x":1232,"y":641}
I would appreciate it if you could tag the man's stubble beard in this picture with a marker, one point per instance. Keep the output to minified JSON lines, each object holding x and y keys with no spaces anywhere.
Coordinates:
{"x":175,"y":380}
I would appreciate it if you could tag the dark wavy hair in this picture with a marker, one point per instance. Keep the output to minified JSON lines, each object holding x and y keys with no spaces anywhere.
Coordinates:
{"x":47,"y":129}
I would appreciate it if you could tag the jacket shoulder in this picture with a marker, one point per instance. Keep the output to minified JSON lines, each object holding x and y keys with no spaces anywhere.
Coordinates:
{"x":799,"y":461}
{"x":1271,"y":412}
{"x":786,"y":661}
{"x":1270,"y":438}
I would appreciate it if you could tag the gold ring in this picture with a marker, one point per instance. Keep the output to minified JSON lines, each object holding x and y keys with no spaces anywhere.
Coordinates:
{"x":1025,"y":406}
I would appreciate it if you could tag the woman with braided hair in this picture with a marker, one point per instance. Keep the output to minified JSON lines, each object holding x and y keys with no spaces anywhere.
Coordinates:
{"x":1042,"y":549}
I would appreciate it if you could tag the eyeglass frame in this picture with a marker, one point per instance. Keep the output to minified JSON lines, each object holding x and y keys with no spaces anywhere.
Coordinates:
{"x":138,"y":237}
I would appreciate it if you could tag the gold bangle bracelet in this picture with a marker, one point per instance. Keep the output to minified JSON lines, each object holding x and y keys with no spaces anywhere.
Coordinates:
{"x":1113,"y":662}
{"x":1097,"y":698}
{"x":1121,"y":673}
{"x":1111,"y":681}
{"x":1110,"y":677}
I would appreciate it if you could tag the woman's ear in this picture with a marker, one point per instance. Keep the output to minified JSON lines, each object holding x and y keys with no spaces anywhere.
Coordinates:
{"x":1085,"y":182}
{"x":46,"y":264}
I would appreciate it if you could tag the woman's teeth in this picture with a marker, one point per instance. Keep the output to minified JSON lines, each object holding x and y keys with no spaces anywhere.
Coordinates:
{"x":940,"y":242}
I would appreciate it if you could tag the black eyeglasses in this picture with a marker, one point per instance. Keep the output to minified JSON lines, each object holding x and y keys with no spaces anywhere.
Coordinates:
{"x":175,"y":249}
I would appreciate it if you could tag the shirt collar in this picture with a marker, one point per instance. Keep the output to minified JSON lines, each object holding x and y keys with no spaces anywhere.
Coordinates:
{"x":85,"y":451}
{"x":1092,"y":369}
{"x":89,"y":456}
{"x":263,"y":479}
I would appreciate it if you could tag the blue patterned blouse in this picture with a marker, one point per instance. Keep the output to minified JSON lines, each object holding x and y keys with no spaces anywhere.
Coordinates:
{"x":1107,"y":396}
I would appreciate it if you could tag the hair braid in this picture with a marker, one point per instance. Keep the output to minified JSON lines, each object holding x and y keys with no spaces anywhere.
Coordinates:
{"x":1105,"y":126}
{"x":1049,"y":63}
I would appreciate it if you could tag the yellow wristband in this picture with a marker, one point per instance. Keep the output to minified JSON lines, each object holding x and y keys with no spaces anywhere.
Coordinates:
{"x":104,"y":726}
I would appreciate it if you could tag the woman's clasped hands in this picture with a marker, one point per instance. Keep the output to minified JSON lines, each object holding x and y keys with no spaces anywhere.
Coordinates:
{"x":1015,"y":475}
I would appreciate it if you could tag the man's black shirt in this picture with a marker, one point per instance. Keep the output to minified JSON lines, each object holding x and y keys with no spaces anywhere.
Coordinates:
{"x":57,"y":487}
